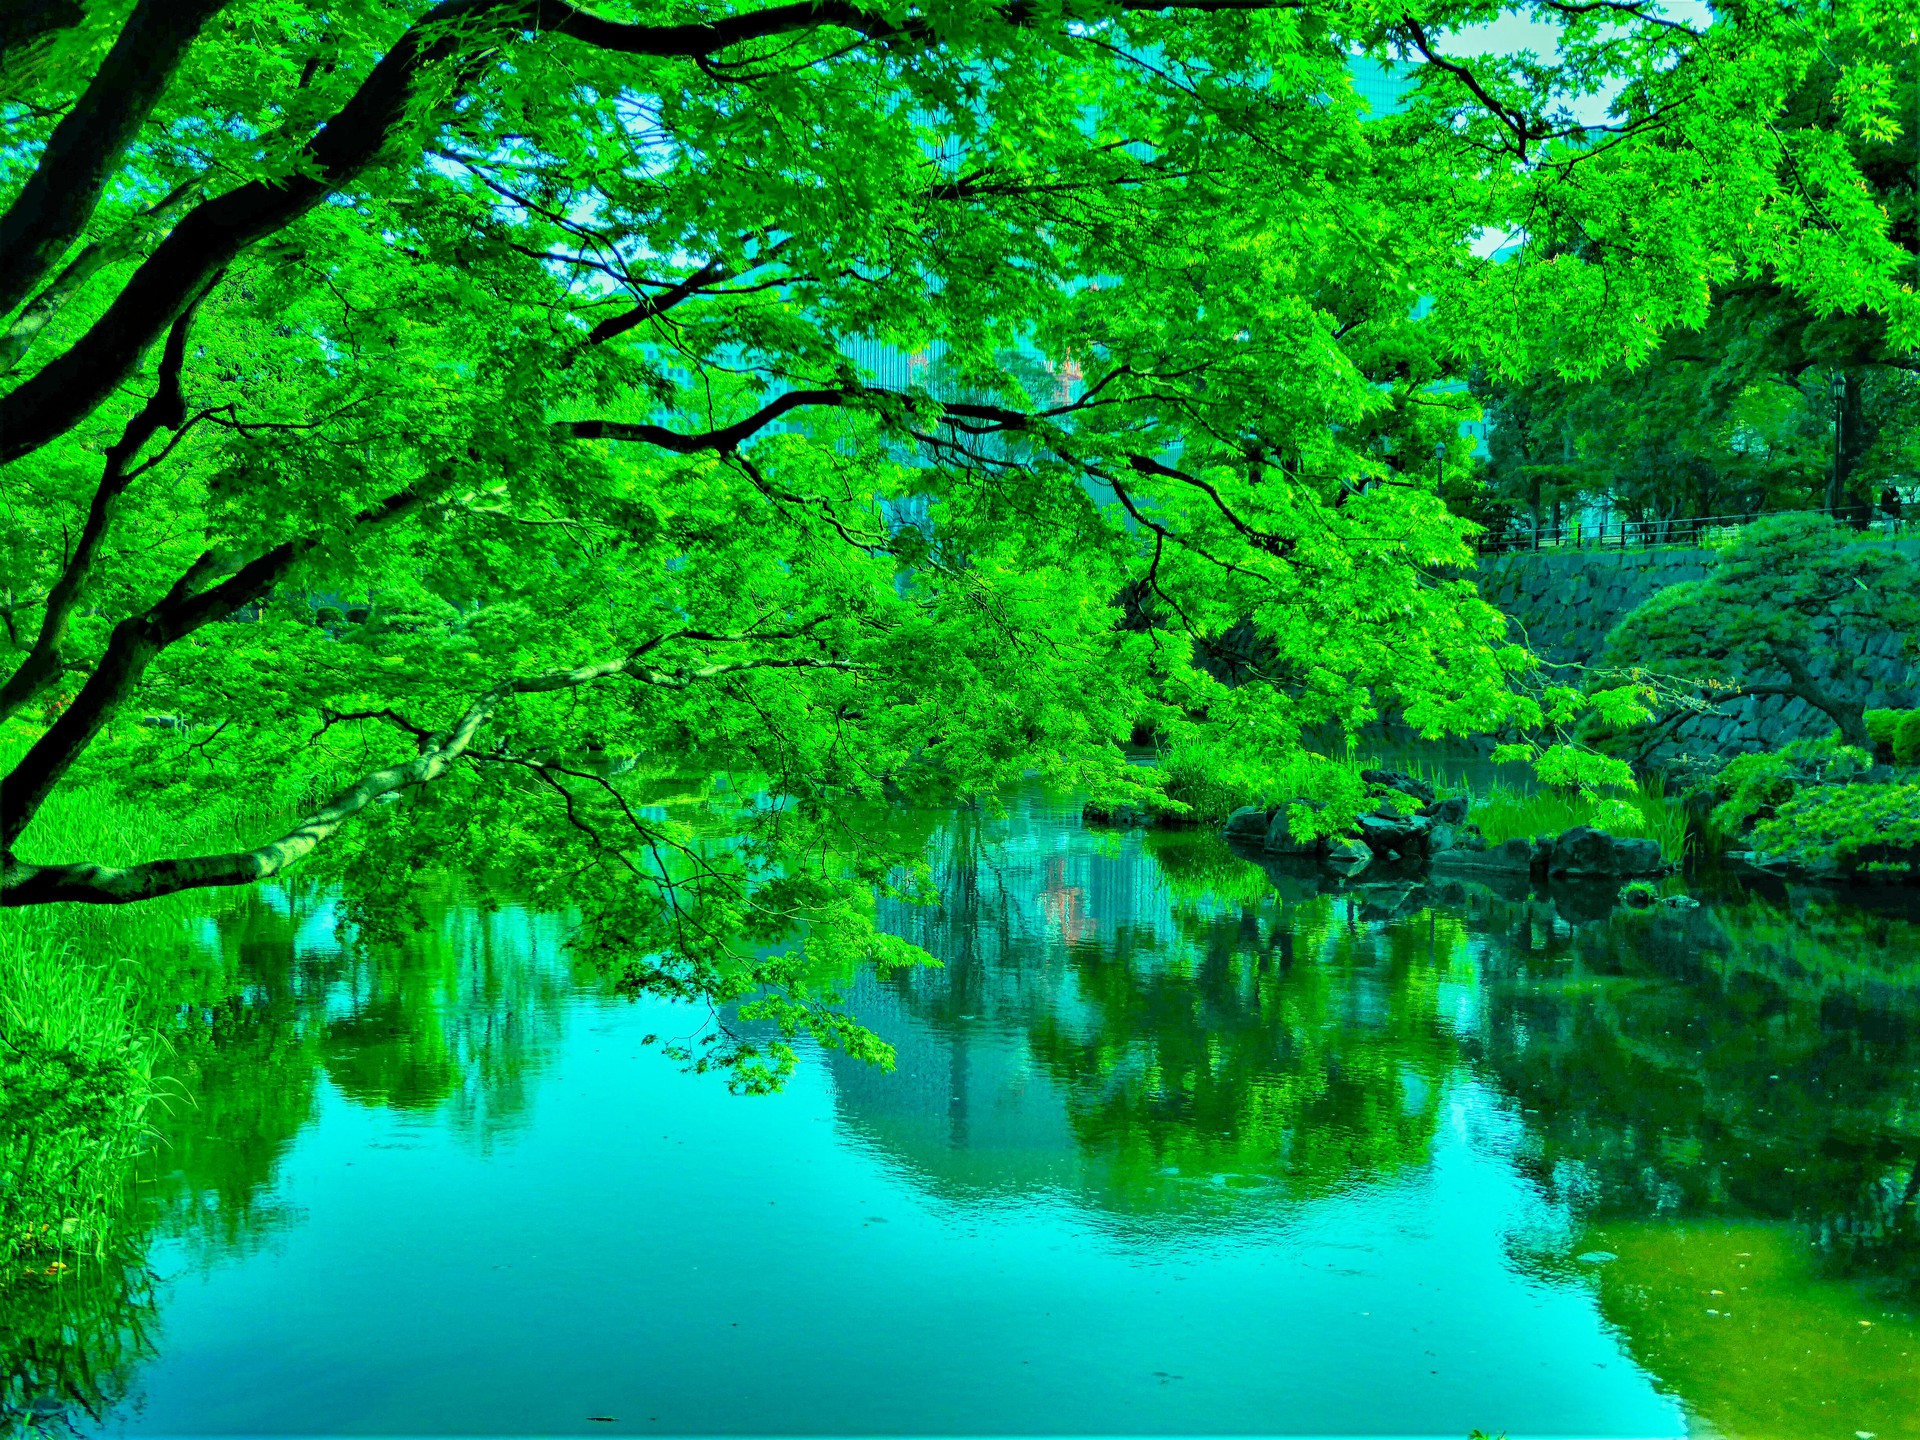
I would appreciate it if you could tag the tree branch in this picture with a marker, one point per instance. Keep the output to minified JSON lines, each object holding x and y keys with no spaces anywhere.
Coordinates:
{"x":53,"y":207}
{"x":22,"y":883}
{"x":133,"y":646}
{"x":26,"y":328}
{"x":467,"y":32}
{"x":166,"y":409}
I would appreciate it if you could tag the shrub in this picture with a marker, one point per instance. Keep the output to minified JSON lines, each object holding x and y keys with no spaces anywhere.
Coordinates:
{"x":1851,"y":826}
{"x":1895,"y":734}
{"x":1906,"y":739}
{"x":1752,"y":788}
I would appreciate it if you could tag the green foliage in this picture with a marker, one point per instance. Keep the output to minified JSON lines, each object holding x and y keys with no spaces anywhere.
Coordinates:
{"x":1896,"y":732}
{"x":76,"y":1071}
{"x":1783,"y":612}
{"x":1752,"y":788}
{"x":1806,"y":804}
{"x":841,"y":409}
{"x":1882,"y":725}
{"x":1639,"y":893}
{"x":1861,"y":826}
{"x":1506,"y":812}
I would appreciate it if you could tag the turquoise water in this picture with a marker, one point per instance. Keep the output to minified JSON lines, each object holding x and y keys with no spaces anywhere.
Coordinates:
{"x":1173,"y":1145}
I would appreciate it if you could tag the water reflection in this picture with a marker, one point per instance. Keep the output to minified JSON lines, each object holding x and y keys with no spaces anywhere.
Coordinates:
{"x":261,"y":1005}
{"x":1713,"y":1110}
{"x":1107,"y":1024}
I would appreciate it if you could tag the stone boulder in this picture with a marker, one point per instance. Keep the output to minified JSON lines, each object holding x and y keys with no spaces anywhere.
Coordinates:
{"x":1510,"y":857}
{"x":1389,"y":833}
{"x":1351,"y":852}
{"x":1396,"y":780}
{"x":1445,"y":836}
{"x":1280,"y":839}
{"x":1248,"y":824}
{"x":1584,"y":853}
{"x":1117,"y":817}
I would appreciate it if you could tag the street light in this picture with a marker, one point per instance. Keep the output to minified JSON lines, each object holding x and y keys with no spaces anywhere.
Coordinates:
{"x":1839,"y":414}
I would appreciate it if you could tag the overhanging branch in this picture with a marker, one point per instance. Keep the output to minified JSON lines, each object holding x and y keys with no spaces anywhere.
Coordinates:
{"x":22,"y":883}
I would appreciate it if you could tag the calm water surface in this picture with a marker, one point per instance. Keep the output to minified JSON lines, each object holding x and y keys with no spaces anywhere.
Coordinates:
{"x":1174,"y":1145}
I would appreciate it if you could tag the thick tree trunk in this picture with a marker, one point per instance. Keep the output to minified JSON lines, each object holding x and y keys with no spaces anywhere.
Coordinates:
{"x":1849,"y":716}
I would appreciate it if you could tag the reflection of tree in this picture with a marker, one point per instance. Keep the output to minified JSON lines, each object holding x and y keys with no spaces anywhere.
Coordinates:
{"x":1727,"y":1097}
{"x":1287,"y":1049}
{"x":1189,"y":1038}
{"x":264,"y":1007}
{"x":1736,"y":1060}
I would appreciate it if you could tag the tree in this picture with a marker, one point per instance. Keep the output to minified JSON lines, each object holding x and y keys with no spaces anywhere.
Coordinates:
{"x":1738,"y":414}
{"x":659,"y":394}
{"x":1783,"y":613}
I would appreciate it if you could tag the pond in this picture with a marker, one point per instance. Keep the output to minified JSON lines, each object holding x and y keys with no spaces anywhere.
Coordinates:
{"x":1175,"y":1144}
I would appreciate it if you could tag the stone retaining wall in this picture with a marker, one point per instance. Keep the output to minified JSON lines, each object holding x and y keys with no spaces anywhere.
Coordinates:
{"x":1564,"y":602}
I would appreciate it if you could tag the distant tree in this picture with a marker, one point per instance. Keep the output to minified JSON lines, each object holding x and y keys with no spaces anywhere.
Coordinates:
{"x":1778,"y":617}
{"x":1738,"y":414}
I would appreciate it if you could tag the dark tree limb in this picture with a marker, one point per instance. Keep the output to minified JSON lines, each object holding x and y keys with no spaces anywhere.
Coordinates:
{"x":27,"y":884}
{"x":28,"y":324}
{"x":465,"y":32}
{"x":134,"y":645}
{"x":213,"y":233}
{"x":86,"y":147}
{"x":24,"y":22}
{"x":167,"y":409}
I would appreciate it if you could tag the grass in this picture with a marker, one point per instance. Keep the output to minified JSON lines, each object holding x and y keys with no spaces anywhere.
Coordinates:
{"x":1505,"y":810}
{"x":78,"y":1046}
{"x":76,"y":1081}
{"x":1503,"y":813}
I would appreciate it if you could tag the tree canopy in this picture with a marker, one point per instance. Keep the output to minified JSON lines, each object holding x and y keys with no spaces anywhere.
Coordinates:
{"x":1740,"y":414}
{"x":641,"y":440}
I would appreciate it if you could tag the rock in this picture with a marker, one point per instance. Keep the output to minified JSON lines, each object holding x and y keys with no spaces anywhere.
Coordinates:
{"x":1383,"y":901}
{"x":1351,"y":851}
{"x":1280,"y":839}
{"x":1450,"y":811}
{"x":1248,"y":823}
{"x":1120,"y":817}
{"x":1397,"y":780}
{"x":1513,"y":857}
{"x":1586,"y":853}
{"x":1387,"y":833}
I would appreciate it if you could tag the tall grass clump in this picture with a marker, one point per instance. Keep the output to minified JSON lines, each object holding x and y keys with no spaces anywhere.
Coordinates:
{"x":1507,"y":809}
{"x":76,"y":1081}
{"x":1504,"y":812}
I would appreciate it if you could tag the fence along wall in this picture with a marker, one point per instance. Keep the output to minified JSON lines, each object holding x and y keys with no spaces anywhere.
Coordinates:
{"x":1563,"y":603}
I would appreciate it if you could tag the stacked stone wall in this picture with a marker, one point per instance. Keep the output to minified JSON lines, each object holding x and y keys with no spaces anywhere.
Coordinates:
{"x":1563,"y":603}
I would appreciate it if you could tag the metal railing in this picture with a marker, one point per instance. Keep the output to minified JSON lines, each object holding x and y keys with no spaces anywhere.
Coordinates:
{"x":1688,"y":530}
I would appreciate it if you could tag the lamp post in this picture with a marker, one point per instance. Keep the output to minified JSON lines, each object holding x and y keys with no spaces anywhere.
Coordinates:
{"x":1839,"y":419}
